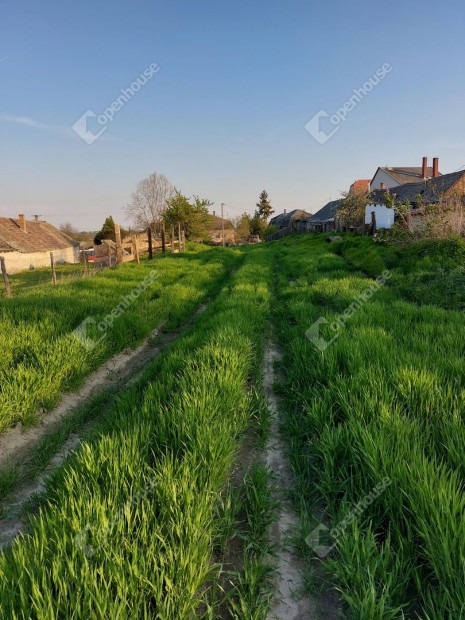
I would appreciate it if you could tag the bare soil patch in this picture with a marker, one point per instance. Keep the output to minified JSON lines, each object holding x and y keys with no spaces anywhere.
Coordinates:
{"x":290,"y":602}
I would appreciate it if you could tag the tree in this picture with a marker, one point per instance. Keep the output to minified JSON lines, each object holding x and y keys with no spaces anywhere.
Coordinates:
{"x":271,"y":229}
{"x":148,"y":202}
{"x":194,"y":218}
{"x":68,"y":229}
{"x":257,"y":225}
{"x":351,"y":212}
{"x":107,"y":231}
{"x":242,"y":226}
{"x":264,"y":207}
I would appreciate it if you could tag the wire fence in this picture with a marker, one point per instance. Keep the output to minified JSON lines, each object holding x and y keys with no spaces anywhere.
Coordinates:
{"x":21,"y":273}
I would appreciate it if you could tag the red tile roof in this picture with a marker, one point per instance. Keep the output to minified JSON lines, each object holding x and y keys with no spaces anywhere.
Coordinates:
{"x":360,"y":185}
{"x":39,"y":237}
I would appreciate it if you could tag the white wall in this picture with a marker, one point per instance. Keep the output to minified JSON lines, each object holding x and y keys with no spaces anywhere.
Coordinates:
{"x":18,"y":261}
{"x":384,"y":215}
{"x":383,"y":177}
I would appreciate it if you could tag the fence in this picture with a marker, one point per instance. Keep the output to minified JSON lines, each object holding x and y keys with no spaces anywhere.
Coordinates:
{"x":322,"y":227}
{"x":279,"y":234}
{"x":16,"y":278}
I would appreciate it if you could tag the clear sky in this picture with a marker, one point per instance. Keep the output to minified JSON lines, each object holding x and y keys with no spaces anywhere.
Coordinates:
{"x":225,"y":115}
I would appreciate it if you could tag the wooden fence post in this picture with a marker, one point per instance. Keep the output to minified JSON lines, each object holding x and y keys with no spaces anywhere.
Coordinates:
{"x":149,"y":238}
{"x":119,"y":245}
{"x":179,"y":238}
{"x":183,"y":240}
{"x":373,"y":223}
{"x":109,"y":255}
{"x":172,"y":239}
{"x":135,"y":249}
{"x":5,"y":277}
{"x":163,"y":240}
{"x":54,"y":273}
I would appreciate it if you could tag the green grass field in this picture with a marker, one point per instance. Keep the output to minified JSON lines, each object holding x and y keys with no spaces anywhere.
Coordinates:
{"x":385,"y":400}
{"x":41,"y":356}
{"x":128,"y":526}
{"x":135,"y":523}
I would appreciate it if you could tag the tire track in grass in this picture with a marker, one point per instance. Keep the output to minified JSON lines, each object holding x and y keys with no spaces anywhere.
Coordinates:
{"x":158,"y":466}
{"x":117,"y":373}
{"x":290,"y":601}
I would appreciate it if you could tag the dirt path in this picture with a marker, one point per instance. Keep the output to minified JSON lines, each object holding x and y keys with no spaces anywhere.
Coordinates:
{"x":290,"y":602}
{"x":16,"y":446}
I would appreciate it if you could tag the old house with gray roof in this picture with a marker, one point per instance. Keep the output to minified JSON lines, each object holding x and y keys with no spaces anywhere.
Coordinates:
{"x":284,"y":220}
{"x":324,"y":220}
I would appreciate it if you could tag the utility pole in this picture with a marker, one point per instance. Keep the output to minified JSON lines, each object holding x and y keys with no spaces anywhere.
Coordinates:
{"x":222,"y":223}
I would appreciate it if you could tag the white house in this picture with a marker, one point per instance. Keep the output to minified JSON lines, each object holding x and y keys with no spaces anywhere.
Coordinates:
{"x":387,"y":177}
{"x":27,"y":244}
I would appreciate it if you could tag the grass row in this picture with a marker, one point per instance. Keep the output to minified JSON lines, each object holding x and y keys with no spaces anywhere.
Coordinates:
{"x":127,"y":527}
{"x":41,"y":356}
{"x":383,"y":402}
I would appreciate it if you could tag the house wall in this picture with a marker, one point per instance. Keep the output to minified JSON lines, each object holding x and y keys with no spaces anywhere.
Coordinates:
{"x":382,"y":177}
{"x":384,"y":216}
{"x":16,"y":262}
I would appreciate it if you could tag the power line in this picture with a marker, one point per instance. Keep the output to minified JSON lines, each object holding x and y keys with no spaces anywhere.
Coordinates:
{"x":81,"y":213}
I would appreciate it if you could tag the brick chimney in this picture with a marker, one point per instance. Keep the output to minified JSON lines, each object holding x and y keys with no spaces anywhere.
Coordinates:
{"x":22,"y":222}
{"x":214,"y":214}
{"x":284,"y":210}
{"x":424,"y":168}
{"x":435,"y":167}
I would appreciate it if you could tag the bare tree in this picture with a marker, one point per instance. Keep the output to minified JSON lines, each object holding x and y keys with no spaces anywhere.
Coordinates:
{"x":148,"y":202}
{"x":68,"y":229}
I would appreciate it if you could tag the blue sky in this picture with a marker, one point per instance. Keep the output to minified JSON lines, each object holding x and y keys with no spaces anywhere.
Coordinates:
{"x":225,"y":115}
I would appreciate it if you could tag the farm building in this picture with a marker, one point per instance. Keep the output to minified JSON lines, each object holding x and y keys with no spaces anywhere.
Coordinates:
{"x":425,"y":192}
{"x":323,"y":220}
{"x":215,"y":230}
{"x":420,"y":195}
{"x":284,"y":220}
{"x":27,"y":244}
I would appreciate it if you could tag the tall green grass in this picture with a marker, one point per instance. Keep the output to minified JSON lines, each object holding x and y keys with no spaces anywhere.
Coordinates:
{"x":384,"y":400}
{"x":128,"y":524}
{"x":40,"y":356}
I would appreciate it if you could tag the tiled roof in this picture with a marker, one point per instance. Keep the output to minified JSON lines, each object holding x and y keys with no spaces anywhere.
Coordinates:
{"x":429,"y":190}
{"x":407,"y":174}
{"x":360,"y":185}
{"x":327,"y":212}
{"x":39,"y":237}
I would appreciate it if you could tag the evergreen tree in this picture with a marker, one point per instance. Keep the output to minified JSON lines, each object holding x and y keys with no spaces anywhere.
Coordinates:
{"x":107,"y":231}
{"x":257,"y":225}
{"x":264,"y":207}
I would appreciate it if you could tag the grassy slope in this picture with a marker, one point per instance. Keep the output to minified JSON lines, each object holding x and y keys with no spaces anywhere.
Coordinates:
{"x":40,"y":356}
{"x":128,"y":527}
{"x":386,"y":399}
